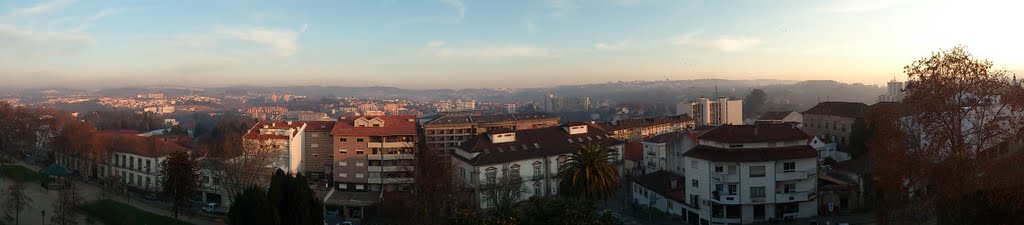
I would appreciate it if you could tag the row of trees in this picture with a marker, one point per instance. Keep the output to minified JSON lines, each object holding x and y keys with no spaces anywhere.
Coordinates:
{"x":64,"y":211}
{"x":288,"y":200}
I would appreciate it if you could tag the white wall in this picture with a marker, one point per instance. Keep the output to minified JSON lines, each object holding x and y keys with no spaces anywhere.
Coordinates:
{"x":642,"y":196}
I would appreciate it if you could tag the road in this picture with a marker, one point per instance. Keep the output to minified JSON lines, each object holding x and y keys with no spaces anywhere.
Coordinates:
{"x":43,"y":199}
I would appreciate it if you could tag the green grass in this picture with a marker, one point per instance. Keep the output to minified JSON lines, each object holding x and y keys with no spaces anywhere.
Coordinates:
{"x":116,"y":213}
{"x":21,"y":174}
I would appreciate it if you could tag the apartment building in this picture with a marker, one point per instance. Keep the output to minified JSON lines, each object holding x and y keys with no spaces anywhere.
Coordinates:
{"x":741,"y":174}
{"x":665,"y":151}
{"x":713,"y":112}
{"x":374,"y":153}
{"x":445,"y":133}
{"x":287,"y":138}
{"x":833,"y":119}
{"x":894,"y":92}
{"x":318,"y":148}
{"x":556,"y":104}
{"x":633,"y":130}
{"x":134,"y":159}
{"x":531,"y":156}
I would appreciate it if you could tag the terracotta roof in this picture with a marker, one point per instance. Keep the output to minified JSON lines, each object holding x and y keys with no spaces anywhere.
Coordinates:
{"x":531,"y":143}
{"x":661,"y":182}
{"x":319,"y":126}
{"x":643,"y":122}
{"x":751,"y":154}
{"x":890,"y":107}
{"x":863,"y":164}
{"x":634,"y":151}
{"x":668,"y":137}
{"x":754,"y":133}
{"x":841,"y":109}
{"x":393,"y":125}
{"x":254,"y":132}
{"x":775,"y":115}
{"x":123,"y":131}
{"x":461,"y":119}
{"x":138,"y":145}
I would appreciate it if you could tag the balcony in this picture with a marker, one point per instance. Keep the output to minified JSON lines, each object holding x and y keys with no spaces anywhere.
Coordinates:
{"x":390,"y":180}
{"x":758,"y":200}
{"x":537,"y":177}
{"x":389,"y":168}
{"x":726,"y":199}
{"x":725,"y":178}
{"x":795,"y":175}
{"x":391,"y":144}
{"x":798,"y":196}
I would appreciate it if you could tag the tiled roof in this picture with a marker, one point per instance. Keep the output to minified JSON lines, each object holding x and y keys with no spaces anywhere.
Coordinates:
{"x":460,"y":119}
{"x":138,"y":145}
{"x":643,"y":122}
{"x":393,"y":125}
{"x":531,"y":143}
{"x":668,"y":137}
{"x":254,"y":132}
{"x":754,"y":133}
{"x":319,"y":126}
{"x":634,"y":151}
{"x":775,"y":115}
{"x":841,"y":109}
{"x":751,"y":154}
{"x":661,"y":182}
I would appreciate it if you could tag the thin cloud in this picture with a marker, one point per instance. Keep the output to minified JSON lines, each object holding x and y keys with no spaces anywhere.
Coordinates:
{"x":28,"y":43}
{"x":601,"y":46}
{"x":42,"y":8}
{"x":722,"y":43}
{"x":439,"y":49}
{"x":563,"y":7}
{"x":735,"y":44}
{"x":531,"y":24}
{"x":284,"y":42}
{"x":459,"y":6}
{"x":305,"y":27}
{"x":97,"y":16}
{"x":864,"y":6}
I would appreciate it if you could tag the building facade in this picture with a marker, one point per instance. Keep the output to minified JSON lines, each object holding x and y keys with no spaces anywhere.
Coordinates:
{"x":133,"y":159}
{"x":532,"y":157}
{"x":556,"y":104}
{"x":445,"y":133}
{"x":286,"y":138}
{"x":374,"y":153}
{"x":781,"y":117}
{"x":633,"y":130}
{"x":317,"y":150}
{"x":713,"y":112}
{"x":833,"y":119}
{"x":894,"y":92}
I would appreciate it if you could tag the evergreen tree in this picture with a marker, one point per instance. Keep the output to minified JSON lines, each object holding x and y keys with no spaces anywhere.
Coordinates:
{"x":253,"y":208}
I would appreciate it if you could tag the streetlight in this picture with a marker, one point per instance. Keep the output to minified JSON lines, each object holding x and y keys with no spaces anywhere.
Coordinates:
{"x":44,"y":217}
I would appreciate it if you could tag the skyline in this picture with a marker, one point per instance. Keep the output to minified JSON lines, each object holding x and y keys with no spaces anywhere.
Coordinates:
{"x":454,"y":43}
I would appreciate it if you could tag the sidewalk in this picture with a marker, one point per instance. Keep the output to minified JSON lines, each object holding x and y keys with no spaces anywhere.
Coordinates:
{"x":43,"y":199}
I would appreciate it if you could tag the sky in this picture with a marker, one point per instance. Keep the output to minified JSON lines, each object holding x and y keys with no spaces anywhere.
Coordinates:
{"x":488,"y":43}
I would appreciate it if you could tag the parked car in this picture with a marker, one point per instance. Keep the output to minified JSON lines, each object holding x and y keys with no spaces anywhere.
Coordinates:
{"x":151,"y":197}
{"x":212,"y":208}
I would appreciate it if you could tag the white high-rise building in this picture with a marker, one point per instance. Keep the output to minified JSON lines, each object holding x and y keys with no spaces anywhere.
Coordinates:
{"x":713,"y":112}
{"x":894,"y":94}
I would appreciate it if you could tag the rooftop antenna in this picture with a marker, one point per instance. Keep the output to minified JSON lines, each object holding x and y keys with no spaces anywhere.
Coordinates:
{"x":716,"y":91}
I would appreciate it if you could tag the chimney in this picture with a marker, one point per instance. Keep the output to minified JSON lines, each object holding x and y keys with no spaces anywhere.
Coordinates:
{"x":289,"y":123}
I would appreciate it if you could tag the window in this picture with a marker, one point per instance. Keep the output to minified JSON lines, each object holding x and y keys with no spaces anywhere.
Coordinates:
{"x":492,"y":175}
{"x":342,"y":186}
{"x":359,"y":152}
{"x":536,"y":188}
{"x":342,"y":175}
{"x":360,"y":187}
{"x":342,"y":151}
{"x":693,"y":164}
{"x":316,"y":155}
{"x":316,"y":135}
{"x":514,"y":170}
{"x":359,"y":140}
{"x":536,"y":168}
{"x":359,"y":164}
{"x":344,"y":140}
{"x":789,"y":167}
{"x":756,"y":171}
{"x":342,"y":163}
{"x":788,"y":188}
{"x":360,"y":175}
{"x":719,"y":169}
{"x":314,"y":145}
{"x":693,"y":183}
{"x":757,"y":192}
{"x":732,"y":189}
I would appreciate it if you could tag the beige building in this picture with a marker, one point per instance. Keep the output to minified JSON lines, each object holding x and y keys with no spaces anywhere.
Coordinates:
{"x":317,"y":152}
{"x":713,"y":112}
{"x":284,"y":137}
{"x":833,"y":119}
{"x":633,"y":130}
{"x":445,"y":133}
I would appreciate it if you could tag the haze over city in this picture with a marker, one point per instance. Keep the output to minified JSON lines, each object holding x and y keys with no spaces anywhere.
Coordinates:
{"x":462,"y":44}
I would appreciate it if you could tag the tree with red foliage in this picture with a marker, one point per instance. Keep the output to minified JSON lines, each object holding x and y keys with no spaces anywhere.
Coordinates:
{"x":954,"y":147}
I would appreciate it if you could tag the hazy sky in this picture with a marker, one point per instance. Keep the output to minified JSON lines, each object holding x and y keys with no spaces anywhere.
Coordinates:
{"x":488,"y":43}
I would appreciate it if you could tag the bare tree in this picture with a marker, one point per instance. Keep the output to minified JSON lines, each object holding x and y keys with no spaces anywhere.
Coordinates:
{"x":16,"y":201}
{"x":64,"y":209}
{"x":503,"y":192}
{"x":239,"y":169}
{"x":436,"y":191}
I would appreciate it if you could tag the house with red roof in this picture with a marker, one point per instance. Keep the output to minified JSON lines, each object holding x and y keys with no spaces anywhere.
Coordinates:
{"x":133,"y":159}
{"x":284,"y":137}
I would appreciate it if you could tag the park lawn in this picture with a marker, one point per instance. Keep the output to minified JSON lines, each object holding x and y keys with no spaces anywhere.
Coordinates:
{"x":21,"y":174}
{"x":116,"y":213}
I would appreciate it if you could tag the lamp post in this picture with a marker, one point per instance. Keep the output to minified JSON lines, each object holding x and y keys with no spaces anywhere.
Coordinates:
{"x":44,"y":217}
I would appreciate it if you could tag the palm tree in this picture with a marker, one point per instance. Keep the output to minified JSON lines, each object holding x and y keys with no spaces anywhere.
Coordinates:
{"x":589,"y":173}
